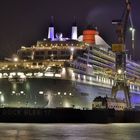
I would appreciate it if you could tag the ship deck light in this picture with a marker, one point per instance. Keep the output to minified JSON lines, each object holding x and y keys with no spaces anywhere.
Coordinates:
{"x":119,"y":71}
{"x":2,"y":98}
{"x":13,"y":92}
{"x":15,"y":59}
{"x":57,"y":75}
{"x":22,"y":76}
{"x":0,"y":75}
{"x":49,"y":74}
{"x":39,"y":74}
{"x":13,"y":74}
{"x":21,"y":92}
{"x":41,"y":92}
{"x":29,"y":74}
{"x":20,"y":73}
{"x":72,"y":49}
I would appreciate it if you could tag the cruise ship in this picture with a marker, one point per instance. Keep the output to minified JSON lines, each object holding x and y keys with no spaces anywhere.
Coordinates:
{"x":64,"y":72}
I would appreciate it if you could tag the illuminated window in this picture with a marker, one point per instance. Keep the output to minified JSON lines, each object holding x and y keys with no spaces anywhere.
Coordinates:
{"x":40,"y":92}
{"x":130,"y":86}
{"x":133,"y":87}
{"x":13,"y":92}
{"x":21,"y":92}
{"x":97,"y":78}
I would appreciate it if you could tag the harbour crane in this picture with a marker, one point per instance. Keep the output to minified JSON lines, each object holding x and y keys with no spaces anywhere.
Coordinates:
{"x":120,"y":50}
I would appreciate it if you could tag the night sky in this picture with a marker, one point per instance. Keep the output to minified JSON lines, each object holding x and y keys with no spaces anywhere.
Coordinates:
{"x":23,"y":22}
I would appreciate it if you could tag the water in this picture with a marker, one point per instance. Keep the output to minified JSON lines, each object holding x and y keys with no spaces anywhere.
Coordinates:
{"x":69,"y":131}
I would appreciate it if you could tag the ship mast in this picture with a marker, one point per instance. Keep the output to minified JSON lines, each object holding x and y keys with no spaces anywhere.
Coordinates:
{"x":120,"y":51}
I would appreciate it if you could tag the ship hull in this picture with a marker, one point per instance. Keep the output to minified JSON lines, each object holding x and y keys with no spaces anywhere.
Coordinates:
{"x":52,"y":93}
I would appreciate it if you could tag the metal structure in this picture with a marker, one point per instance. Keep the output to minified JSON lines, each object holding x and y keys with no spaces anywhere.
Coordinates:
{"x":119,"y":49}
{"x":132,"y":29}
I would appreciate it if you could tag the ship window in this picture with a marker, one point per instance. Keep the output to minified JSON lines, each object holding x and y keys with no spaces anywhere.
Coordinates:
{"x":67,"y":52}
{"x":39,"y":63}
{"x":39,"y":53}
{"x":36,"y":53}
{"x":49,"y":52}
{"x":42,"y":52}
{"x":62,"y":52}
{"x":26,"y":53}
{"x":91,"y":58}
{"x":84,"y":94}
{"x":34,"y":63}
{"x":55,"y":52}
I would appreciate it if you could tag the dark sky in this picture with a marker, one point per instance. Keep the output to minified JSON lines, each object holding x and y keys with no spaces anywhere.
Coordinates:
{"x":23,"y":22}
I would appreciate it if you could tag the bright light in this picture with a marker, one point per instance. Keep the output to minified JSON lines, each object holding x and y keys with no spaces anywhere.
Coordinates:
{"x":5,"y":74}
{"x":39,"y":74}
{"x":58,"y":75}
{"x":90,"y":78}
{"x":119,"y":71}
{"x":66,"y":104}
{"x":13,"y":92}
{"x":0,"y":75}
{"x":132,"y":29}
{"x":73,"y":74}
{"x":89,"y":65}
{"x":65,"y":93}
{"x":48,"y":68}
{"x":63,"y":71}
{"x":133,"y":36}
{"x":58,"y":93}
{"x":21,"y":92}
{"x":12,"y":74}
{"x":49,"y":74}
{"x":15,"y":59}
{"x":22,"y":76}
{"x":20,"y":73}
{"x":29,"y":74}
{"x":40,"y":92}
{"x":84,"y":77}
{"x":112,"y":82}
{"x":2,"y":98}
{"x":72,"y":49}
{"x":78,"y":76}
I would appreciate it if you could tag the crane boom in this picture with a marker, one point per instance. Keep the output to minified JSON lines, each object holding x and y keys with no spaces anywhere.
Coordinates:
{"x":126,"y":17}
{"x":122,"y":23}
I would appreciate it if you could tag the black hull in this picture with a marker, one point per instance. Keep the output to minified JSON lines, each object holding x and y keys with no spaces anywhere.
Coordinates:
{"x":67,"y":115}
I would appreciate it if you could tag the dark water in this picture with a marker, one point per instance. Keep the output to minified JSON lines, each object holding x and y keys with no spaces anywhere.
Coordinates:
{"x":69,"y":131}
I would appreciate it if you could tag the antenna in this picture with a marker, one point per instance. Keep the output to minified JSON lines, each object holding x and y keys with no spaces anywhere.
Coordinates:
{"x":74,"y":21}
{"x":52,"y":21}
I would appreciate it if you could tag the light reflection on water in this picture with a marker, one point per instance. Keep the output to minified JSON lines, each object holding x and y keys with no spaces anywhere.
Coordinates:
{"x":69,"y":131}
